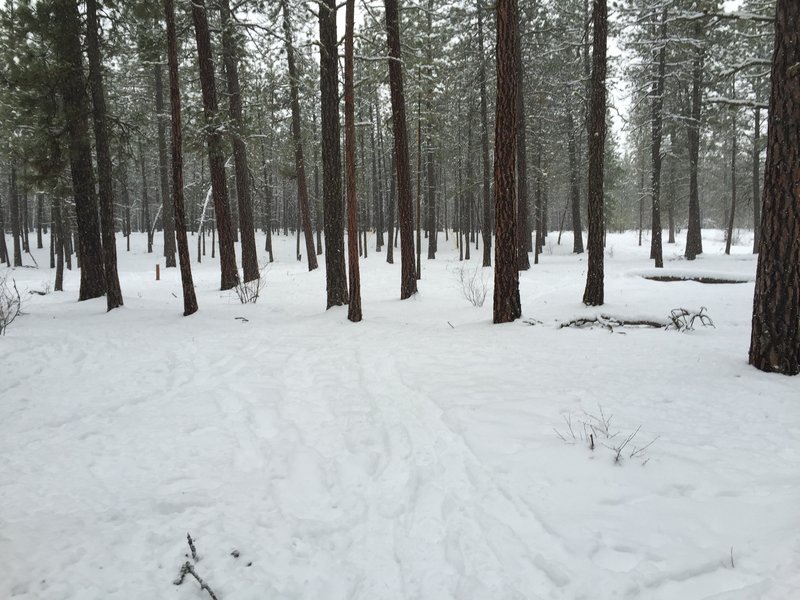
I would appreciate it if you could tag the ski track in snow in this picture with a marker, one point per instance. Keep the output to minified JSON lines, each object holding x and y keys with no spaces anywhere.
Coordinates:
{"x":409,"y":456}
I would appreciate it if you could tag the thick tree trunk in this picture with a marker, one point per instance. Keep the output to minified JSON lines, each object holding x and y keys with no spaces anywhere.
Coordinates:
{"x":506,"y":304}
{"x":694,"y":240}
{"x":189,"y":298}
{"x":76,"y":113}
{"x":104,"y":174}
{"x":216,"y":155}
{"x":593,"y":295}
{"x":354,"y":309}
{"x":335,"y":273}
{"x":243,"y":191}
{"x":167,"y":212}
{"x":408,"y":280}
{"x":775,"y":341}
{"x":297,"y":138}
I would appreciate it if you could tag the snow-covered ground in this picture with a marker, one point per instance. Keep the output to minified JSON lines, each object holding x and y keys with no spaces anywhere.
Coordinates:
{"x":412,"y":455}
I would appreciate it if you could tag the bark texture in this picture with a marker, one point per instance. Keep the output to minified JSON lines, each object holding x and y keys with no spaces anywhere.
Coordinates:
{"x":104,"y":175}
{"x":189,"y":298}
{"x":408,"y":279}
{"x":775,"y":341}
{"x":229,"y":276}
{"x":593,"y":295}
{"x":243,"y":189}
{"x":76,"y":113}
{"x":506,"y":304}
{"x":354,"y":310}
{"x":297,"y":138}
{"x":335,"y":272}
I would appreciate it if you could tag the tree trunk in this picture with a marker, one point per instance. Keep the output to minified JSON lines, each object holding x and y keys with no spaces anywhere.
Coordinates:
{"x":4,"y":254}
{"x":390,"y":234}
{"x":13,"y":202}
{"x":243,"y":192}
{"x":756,"y":192}
{"x":189,"y":298}
{"x":354,"y":309}
{"x":656,"y":248}
{"x":167,"y":212}
{"x":216,"y":155}
{"x":408,"y":280}
{"x":377,"y":188}
{"x":104,"y":175}
{"x":297,"y":138}
{"x":593,"y":295}
{"x":76,"y":113}
{"x":506,"y":303}
{"x":145,"y":201}
{"x":335,"y":272}
{"x":39,"y":216}
{"x":523,"y":226}
{"x":487,"y":208}
{"x":57,"y":230}
{"x":694,"y":240}
{"x":732,"y":216}
{"x":775,"y":341}
{"x":575,"y":189}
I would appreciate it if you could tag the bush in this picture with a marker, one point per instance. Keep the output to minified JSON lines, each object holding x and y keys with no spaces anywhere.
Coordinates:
{"x":596,"y":431}
{"x":249,"y":292}
{"x":10,"y":303}
{"x":473,"y":284}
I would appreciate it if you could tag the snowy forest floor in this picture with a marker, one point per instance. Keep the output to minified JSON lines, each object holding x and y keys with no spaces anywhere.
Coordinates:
{"x":413,"y":455}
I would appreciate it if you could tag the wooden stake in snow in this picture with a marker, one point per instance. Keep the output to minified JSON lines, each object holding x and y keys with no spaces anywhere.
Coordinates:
{"x":158,"y":272}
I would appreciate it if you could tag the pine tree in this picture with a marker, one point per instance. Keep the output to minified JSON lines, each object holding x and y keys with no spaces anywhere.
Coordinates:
{"x":216,"y":154}
{"x":775,"y":340}
{"x":354,"y":309}
{"x":104,"y":175}
{"x":506,"y":305}
{"x":408,"y":279}
{"x":593,"y":295}
{"x":189,"y":298}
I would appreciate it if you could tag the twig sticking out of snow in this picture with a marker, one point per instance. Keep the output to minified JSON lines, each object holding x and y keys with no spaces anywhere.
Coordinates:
{"x":191,"y":547}
{"x":188,"y":569}
{"x":595,"y":429}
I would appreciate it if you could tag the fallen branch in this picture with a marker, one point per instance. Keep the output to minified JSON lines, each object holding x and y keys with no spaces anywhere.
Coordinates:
{"x":608,"y":322}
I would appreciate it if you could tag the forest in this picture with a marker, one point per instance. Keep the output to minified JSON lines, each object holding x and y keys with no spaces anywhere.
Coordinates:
{"x":482,"y":298}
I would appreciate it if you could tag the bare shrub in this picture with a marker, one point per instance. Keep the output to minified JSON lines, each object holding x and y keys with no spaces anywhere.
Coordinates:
{"x":596,"y":431}
{"x":249,"y":292}
{"x":684,"y":320}
{"x":10,"y":303}
{"x":473,"y":283}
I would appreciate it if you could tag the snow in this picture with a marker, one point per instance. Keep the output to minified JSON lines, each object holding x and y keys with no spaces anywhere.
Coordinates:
{"x":412,"y":455}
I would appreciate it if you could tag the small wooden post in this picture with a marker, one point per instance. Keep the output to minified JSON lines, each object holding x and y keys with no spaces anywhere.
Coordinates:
{"x":158,"y":272}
